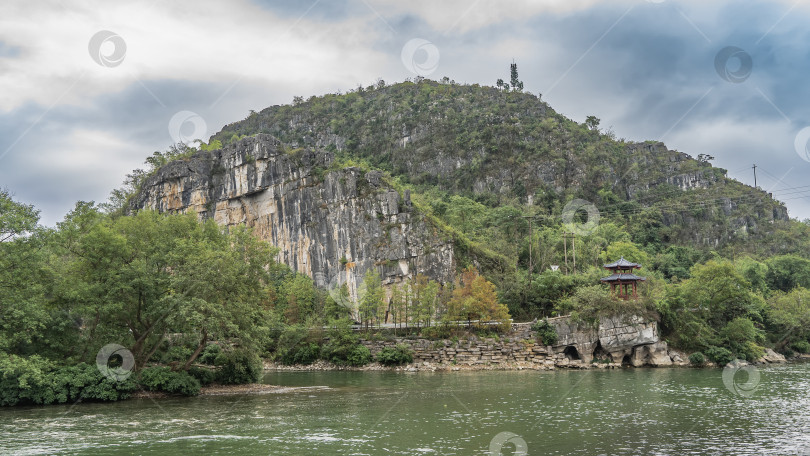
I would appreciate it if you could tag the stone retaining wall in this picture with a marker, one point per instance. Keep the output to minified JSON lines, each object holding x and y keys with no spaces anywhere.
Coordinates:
{"x":620,"y":340}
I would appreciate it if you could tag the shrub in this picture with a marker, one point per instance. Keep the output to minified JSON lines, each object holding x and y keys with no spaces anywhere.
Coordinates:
{"x":341,"y":345}
{"x":719,"y":355}
{"x":209,"y":354}
{"x":437,"y":332}
{"x":392,"y":356}
{"x":741,"y":336}
{"x":295,"y":347}
{"x":238,"y":366}
{"x":203,"y":375}
{"x":546,"y":332}
{"x":36,"y":380}
{"x":801,"y":346}
{"x":176,"y":353}
{"x":305,"y":353}
{"x":697,"y":359}
{"x":168,"y":381}
{"x":359,"y":356}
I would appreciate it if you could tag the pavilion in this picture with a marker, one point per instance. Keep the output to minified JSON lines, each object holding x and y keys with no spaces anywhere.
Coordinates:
{"x":623,"y":278}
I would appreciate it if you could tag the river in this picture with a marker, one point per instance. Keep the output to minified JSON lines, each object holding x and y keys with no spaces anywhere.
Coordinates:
{"x":561,"y":412}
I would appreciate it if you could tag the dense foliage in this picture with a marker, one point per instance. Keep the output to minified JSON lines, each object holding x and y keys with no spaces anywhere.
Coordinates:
{"x":393,"y":356}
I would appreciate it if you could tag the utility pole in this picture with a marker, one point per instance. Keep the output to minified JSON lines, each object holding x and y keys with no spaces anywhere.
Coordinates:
{"x":572,"y":237}
{"x":755,"y":175}
{"x":574,"y":248}
{"x":531,"y":241}
{"x":565,"y":250}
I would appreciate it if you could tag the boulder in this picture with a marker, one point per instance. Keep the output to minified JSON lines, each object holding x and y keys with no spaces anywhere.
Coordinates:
{"x":772,"y":357}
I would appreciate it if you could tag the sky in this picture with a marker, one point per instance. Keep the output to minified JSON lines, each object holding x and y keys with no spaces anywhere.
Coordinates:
{"x":89,"y":89}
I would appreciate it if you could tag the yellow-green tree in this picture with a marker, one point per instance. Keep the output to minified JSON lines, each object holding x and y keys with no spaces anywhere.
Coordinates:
{"x":474,"y":298}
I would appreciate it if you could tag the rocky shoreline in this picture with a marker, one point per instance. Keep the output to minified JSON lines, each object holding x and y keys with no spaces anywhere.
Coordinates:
{"x":323,"y":366}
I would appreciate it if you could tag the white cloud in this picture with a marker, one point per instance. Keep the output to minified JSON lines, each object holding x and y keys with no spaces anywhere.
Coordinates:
{"x":207,"y":41}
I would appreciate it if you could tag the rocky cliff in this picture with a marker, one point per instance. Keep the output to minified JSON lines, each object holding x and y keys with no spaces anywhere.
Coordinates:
{"x":331,"y":224}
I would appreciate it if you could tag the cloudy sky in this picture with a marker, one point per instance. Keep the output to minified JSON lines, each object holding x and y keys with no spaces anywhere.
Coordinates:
{"x":88,"y":89}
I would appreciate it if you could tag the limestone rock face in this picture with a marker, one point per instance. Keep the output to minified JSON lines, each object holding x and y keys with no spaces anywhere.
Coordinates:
{"x":621,"y":332}
{"x":616,"y":336}
{"x":333,"y":225}
{"x":651,"y":355}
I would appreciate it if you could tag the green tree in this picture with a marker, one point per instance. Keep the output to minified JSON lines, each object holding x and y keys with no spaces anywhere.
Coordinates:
{"x":25,"y":321}
{"x":371,"y":297}
{"x":135,"y":280}
{"x":789,"y":314}
{"x":592,"y":122}
{"x":15,"y":218}
{"x":786,"y":272}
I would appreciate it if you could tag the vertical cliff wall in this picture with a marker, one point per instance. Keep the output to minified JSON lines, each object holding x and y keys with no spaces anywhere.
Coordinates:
{"x":333,"y":225}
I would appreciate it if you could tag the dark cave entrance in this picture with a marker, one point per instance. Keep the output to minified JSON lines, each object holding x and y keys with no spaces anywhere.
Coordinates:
{"x":571,"y":352}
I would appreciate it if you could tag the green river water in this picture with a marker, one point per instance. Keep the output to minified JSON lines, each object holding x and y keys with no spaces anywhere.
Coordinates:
{"x":593,"y":412}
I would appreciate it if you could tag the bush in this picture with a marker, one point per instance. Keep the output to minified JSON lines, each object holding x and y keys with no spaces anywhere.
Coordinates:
{"x":36,"y":380}
{"x":697,"y":359}
{"x":341,"y":345}
{"x":306,"y":353}
{"x":203,"y":375}
{"x":359,"y":356}
{"x":295,"y":347}
{"x":437,"y":332}
{"x":176,"y":353}
{"x":239,"y":366}
{"x":719,"y":355}
{"x":209,"y":354}
{"x":801,"y":346}
{"x":393,"y":356}
{"x":168,"y":381}
{"x":546,"y":333}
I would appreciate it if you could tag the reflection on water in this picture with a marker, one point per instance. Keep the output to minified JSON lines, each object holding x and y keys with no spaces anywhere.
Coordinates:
{"x":624,"y":412}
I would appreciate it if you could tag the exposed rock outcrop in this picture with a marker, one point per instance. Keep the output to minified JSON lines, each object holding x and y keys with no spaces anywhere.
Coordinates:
{"x":616,"y":338}
{"x":331,"y":224}
{"x":771,"y":356}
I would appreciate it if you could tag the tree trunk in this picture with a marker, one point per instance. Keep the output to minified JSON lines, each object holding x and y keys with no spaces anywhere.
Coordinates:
{"x":197,"y":352}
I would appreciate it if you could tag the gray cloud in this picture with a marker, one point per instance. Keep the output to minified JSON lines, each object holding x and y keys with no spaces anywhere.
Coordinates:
{"x":647,"y":70}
